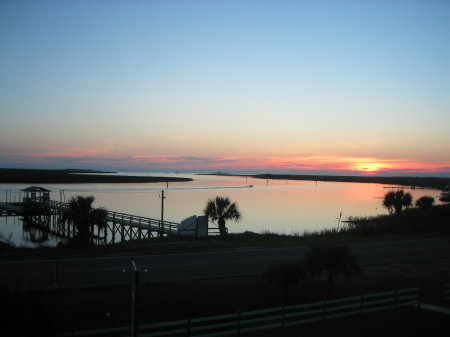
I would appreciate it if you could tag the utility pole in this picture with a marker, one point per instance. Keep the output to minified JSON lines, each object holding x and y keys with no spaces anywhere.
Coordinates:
{"x":161,"y":226}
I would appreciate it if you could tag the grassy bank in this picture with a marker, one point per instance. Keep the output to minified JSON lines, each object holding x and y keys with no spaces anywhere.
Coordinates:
{"x":34,"y":176}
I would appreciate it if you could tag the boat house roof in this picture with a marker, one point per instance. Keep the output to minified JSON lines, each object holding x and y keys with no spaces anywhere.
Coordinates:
{"x":35,"y":189}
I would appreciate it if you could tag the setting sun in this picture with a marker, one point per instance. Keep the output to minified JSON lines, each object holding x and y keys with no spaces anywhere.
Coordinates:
{"x":368,"y":167}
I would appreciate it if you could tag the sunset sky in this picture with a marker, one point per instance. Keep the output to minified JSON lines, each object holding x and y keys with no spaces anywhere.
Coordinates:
{"x":340,"y":87}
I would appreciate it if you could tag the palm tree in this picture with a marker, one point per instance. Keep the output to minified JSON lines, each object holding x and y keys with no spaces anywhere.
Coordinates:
{"x":84,"y":216}
{"x":221,"y":209}
{"x":396,"y":201}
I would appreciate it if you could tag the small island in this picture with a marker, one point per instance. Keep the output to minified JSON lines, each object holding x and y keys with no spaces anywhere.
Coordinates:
{"x":74,"y":176}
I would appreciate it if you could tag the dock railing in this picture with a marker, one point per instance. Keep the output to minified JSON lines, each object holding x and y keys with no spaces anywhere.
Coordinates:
{"x":136,"y":221}
{"x":140,"y":222}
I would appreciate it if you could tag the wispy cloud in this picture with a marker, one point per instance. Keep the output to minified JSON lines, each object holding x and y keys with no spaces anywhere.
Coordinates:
{"x":75,"y":152}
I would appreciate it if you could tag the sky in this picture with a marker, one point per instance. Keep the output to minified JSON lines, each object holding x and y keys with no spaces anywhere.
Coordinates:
{"x":301,"y":87}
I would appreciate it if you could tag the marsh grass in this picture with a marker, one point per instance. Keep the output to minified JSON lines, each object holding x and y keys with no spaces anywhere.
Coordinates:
{"x":412,"y":220}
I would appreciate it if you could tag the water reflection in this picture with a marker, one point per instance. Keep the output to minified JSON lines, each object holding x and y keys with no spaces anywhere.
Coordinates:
{"x":36,"y":231}
{"x":270,"y":205}
{"x":22,"y":231}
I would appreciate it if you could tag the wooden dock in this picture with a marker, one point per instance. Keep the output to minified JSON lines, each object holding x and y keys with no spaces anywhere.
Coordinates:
{"x":119,"y":226}
{"x":127,"y":226}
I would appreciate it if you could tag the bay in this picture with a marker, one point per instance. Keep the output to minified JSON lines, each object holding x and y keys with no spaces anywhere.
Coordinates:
{"x":278,"y":206}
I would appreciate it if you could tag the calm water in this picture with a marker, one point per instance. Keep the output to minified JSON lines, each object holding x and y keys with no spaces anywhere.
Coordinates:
{"x":270,"y":205}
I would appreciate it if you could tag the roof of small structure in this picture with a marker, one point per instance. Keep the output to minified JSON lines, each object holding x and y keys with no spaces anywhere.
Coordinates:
{"x":35,"y":189}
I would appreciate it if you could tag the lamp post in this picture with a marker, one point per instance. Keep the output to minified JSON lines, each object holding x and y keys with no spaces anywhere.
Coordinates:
{"x":161,"y":224}
{"x":134,"y":295}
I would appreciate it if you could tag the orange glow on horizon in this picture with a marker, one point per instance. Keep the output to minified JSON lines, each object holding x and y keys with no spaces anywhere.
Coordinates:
{"x":105,"y":155}
{"x":369,"y":166}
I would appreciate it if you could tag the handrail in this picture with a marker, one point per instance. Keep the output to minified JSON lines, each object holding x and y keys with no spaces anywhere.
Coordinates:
{"x":167,"y":224}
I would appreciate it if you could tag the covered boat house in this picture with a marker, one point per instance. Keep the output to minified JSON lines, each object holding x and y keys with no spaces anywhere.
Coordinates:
{"x":36,"y":194}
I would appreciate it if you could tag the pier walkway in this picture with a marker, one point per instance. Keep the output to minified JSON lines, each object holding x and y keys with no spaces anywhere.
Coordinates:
{"x":133,"y":221}
{"x":119,"y":226}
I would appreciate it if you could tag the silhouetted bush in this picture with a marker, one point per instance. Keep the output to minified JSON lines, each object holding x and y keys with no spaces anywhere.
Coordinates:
{"x":287,"y":273}
{"x":329,"y":260}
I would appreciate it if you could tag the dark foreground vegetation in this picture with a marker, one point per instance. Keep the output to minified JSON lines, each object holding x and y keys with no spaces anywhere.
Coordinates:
{"x":413,"y":182}
{"x":40,"y":312}
{"x":35,"y":176}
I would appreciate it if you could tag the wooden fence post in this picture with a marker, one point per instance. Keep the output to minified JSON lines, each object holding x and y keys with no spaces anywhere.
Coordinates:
{"x":122,"y":231}
{"x":396,"y":298}
{"x":239,"y":324}
{"x":420,"y":297}
{"x":361,"y":308}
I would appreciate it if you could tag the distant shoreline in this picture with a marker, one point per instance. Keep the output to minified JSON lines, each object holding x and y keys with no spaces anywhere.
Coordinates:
{"x":414,"y":182}
{"x":80,"y":176}
{"x":70,"y":176}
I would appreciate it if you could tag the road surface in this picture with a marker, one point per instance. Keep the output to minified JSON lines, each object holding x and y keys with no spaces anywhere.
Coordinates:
{"x":115,"y":270}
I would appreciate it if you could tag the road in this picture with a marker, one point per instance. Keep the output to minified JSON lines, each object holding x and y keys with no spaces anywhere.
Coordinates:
{"x":115,"y":270}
